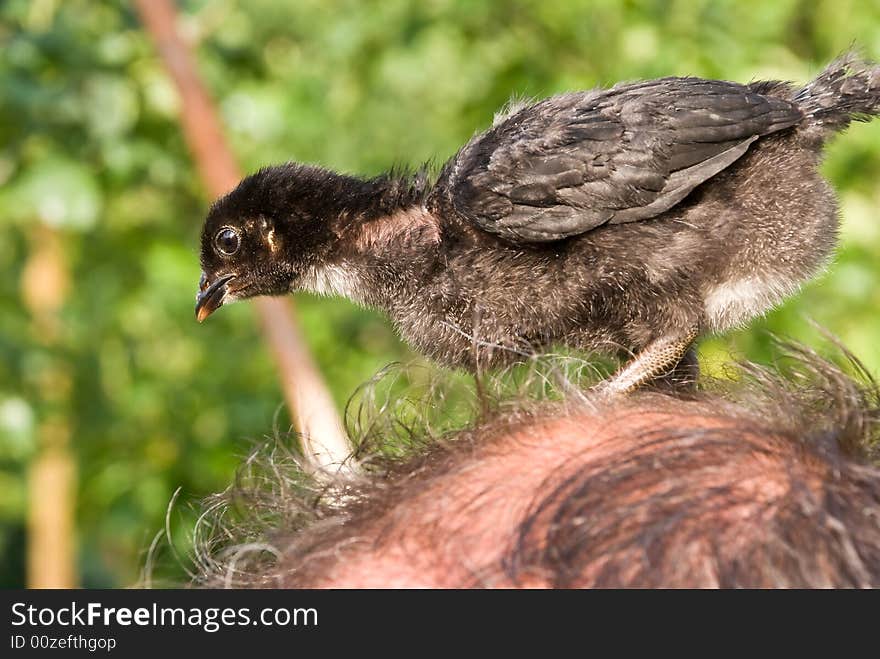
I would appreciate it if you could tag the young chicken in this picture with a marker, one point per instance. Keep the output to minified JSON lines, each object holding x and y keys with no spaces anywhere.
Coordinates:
{"x":629,"y":220}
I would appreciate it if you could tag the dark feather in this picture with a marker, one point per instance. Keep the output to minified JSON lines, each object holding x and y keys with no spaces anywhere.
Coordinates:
{"x":574,"y":162}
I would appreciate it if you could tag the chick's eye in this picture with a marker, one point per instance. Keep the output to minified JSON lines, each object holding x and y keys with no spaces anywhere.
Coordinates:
{"x":227,"y":241}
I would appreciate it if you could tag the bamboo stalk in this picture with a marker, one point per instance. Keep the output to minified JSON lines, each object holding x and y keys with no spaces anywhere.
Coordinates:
{"x":324,"y":442}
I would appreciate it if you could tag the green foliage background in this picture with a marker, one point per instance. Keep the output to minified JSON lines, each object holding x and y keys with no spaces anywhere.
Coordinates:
{"x":89,"y":143}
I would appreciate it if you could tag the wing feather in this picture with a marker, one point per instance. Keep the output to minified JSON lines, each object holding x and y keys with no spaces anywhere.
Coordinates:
{"x":573,"y":162}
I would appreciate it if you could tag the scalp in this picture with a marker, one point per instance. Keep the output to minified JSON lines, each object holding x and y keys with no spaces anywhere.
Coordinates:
{"x":764,"y":482}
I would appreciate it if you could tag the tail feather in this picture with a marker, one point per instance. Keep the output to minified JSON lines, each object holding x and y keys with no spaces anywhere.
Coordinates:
{"x":847,"y":90}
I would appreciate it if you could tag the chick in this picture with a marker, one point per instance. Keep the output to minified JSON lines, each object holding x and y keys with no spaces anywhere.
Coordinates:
{"x":628,"y":220}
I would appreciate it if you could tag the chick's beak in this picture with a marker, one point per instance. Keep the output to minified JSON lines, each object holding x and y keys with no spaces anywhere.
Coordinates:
{"x":211,"y":295}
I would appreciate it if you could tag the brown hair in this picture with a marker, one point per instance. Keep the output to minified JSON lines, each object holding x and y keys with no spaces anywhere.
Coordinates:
{"x":764,"y":479}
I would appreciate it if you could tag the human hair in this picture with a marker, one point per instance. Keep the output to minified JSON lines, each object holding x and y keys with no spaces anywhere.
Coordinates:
{"x":764,"y":478}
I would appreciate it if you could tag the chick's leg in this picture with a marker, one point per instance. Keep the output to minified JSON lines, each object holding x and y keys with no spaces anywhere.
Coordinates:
{"x":659,"y":358}
{"x":683,"y":376}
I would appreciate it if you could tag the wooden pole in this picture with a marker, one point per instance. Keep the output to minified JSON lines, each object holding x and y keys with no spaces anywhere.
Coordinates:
{"x":51,"y":551}
{"x":324,"y":440}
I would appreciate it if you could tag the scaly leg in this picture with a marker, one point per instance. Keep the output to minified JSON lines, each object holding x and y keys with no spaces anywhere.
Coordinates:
{"x":657,"y":359}
{"x":683,"y":376}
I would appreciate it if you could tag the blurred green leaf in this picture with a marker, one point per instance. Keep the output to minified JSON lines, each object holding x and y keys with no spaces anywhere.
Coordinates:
{"x":58,"y":192}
